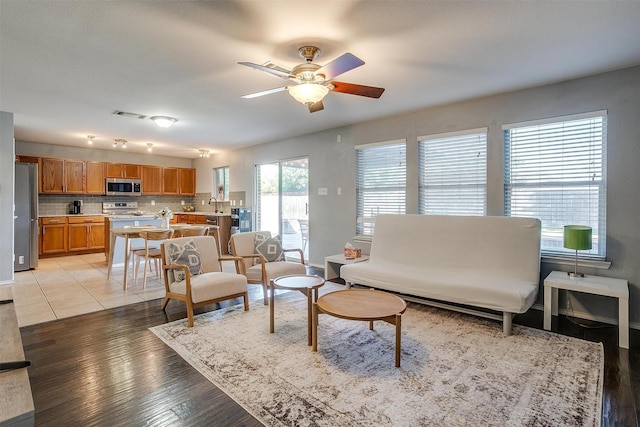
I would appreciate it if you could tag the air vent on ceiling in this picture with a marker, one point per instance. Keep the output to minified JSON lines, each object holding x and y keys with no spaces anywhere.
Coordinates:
{"x":130,"y":115}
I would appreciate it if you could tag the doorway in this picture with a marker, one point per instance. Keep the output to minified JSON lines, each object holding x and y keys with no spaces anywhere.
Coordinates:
{"x":282,"y":202}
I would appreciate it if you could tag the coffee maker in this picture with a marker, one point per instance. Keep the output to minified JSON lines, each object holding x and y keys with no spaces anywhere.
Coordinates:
{"x":75,"y":207}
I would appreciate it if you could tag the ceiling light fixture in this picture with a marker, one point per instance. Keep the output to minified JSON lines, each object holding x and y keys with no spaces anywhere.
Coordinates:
{"x":163,"y":121}
{"x":204,"y":153}
{"x":308,"y":93}
{"x":149,"y":145}
{"x":90,"y":139}
{"x":122,"y":142}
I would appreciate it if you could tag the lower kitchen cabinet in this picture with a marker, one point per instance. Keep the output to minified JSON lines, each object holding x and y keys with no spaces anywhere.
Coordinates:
{"x":53,"y":235}
{"x":70,"y":235}
{"x":222,"y":221}
{"x":86,"y":232}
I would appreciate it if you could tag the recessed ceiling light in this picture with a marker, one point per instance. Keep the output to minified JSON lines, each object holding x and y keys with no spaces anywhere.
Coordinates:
{"x":163,"y":121}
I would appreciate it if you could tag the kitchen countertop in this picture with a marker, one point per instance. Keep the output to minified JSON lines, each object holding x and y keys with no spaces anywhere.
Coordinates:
{"x":145,"y":215}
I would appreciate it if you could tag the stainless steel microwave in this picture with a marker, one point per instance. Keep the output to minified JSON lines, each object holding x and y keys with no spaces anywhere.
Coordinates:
{"x":124,"y":187}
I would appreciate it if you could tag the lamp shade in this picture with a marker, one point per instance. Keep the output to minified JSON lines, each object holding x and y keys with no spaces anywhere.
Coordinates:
{"x":308,"y":93}
{"x":577,"y":237}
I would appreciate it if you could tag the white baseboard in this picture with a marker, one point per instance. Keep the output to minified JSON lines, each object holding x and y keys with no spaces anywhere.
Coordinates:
{"x":587,"y":316}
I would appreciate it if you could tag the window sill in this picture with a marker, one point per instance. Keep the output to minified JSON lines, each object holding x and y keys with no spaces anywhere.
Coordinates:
{"x":582,"y":262}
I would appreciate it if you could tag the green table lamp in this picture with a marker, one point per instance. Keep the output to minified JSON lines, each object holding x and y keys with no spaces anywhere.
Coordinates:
{"x":577,"y":237}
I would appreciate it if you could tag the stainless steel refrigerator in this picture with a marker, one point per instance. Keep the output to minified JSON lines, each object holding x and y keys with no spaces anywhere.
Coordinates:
{"x":25,"y":223}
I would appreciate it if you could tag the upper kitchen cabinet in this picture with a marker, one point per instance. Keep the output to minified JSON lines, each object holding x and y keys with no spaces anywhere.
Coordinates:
{"x":179,"y":181}
{"x":62,"y":176}
{"x":95,"y":178}
{"x":188,"y":181}
{"x":122,"y":170}
{"x":151,"y":180}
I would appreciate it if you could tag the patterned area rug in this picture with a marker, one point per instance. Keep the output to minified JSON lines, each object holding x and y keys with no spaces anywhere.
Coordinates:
{"x":457,"y":369}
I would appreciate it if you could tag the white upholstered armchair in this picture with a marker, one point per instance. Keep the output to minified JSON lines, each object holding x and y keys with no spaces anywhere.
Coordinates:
{"x":263,"y":258}
{"x":193,"y":274}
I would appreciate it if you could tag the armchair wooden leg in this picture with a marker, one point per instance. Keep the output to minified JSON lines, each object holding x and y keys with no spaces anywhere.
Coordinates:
{"x":190,"y":313}
{"x":165,"y":302}
{"x":245,"y":296}
{"x":265,"y":292}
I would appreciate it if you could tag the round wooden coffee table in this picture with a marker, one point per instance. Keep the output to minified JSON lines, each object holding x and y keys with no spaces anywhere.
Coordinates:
{"x":308,"y":285}
{"x":361,"y":304}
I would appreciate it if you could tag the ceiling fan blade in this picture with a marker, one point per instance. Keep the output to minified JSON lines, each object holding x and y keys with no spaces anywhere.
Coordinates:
{"x":264,"y":92}
{"x":340,"y":65}
{"x":353,"y":89}
{"x":272,"y":69}
{"x":318,"y":106}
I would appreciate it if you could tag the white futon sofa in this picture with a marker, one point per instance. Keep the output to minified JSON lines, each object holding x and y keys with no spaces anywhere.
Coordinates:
{"x":489,"y":262}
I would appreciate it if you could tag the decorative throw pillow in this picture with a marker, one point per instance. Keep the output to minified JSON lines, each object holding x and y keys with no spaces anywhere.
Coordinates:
{"x":185,"y":255}
{"x":269,"y":247}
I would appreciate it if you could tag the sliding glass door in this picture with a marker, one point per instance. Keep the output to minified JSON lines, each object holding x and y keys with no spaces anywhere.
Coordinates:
{"x":282,"y":201}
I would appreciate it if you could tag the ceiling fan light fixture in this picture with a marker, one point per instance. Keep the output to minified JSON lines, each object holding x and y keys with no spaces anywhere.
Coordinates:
{"x":308,"y":93}
{"x":163,"y":121}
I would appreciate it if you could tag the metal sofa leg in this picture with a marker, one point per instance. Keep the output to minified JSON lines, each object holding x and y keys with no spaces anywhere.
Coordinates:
{"x":506,"y":323}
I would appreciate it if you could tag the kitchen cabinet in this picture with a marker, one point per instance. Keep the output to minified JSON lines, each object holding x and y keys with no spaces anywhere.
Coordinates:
{"x":222,"y":221}
{"x":179,"y":181}
{"x":188,"y":181}
{"x":170,"y":184}
{"x":95,"y":177}
{"x":62,"y":176}
{"x":53,"y":235}
{"x":123,"y":170}
{"x":151,"y":180}
{"x":86,"y":232}
{"x":224,"y":229}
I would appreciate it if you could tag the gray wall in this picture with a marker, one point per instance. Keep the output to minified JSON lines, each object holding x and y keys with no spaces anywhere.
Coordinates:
{"x":6,"y":196}
{"x":119,"y":156}
{"x":332,"y":165}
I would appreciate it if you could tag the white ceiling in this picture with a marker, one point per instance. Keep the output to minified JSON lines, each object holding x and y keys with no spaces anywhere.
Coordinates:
{"x":65,"y":66}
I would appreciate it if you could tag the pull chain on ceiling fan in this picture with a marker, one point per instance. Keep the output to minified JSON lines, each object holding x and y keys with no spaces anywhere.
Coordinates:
{"x":312,"y":82}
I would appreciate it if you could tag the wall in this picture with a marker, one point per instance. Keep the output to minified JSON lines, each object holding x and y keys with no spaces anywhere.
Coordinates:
{"x":113,"y":156}
{"x":6,"y":196}
{"x":332,"y":165}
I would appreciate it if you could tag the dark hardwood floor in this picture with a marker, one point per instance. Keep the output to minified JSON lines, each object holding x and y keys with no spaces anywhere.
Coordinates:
{"x":108,"y":369}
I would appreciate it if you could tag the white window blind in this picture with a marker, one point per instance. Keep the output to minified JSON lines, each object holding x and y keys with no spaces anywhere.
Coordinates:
{"x":555,"y":170}
{"x":453,"y":173}
{"x":381,"y":180}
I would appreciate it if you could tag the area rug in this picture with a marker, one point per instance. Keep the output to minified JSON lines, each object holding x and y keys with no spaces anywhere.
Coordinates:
{"x":457,"y":369}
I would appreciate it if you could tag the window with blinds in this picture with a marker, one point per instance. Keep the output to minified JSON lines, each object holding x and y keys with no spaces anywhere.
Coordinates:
{"x":453,"y":173}
{"x":381,"y":180}
{"x":555,"y":170}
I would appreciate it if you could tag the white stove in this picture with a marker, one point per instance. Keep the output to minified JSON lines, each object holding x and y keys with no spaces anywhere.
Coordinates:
{"x":120,"y":208}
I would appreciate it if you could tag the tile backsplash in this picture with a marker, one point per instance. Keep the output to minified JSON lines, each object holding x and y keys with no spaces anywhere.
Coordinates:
{"x":49,"y":204}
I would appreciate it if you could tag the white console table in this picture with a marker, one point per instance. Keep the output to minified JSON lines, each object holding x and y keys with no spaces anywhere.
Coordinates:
{"x":333,"y":263}
{"x":604,"y":286}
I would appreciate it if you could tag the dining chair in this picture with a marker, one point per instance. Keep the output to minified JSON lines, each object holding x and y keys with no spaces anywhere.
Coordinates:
{"x":192,"y":231}
{"x":150,"y":253}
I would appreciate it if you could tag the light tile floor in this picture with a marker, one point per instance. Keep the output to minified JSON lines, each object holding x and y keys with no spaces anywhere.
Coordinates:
{"x":72,"y":285}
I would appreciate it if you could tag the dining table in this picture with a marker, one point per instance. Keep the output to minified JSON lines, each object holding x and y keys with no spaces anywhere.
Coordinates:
{"x":128,"y":233}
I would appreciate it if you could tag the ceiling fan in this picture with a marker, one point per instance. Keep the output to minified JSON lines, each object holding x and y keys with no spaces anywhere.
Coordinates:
{"x":310,"y":82}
